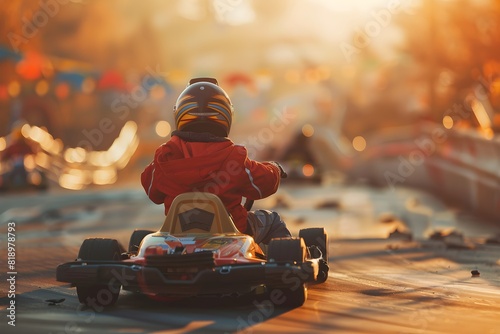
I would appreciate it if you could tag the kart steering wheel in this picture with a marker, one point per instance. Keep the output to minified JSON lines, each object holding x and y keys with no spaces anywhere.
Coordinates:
{"x":248,"y":203}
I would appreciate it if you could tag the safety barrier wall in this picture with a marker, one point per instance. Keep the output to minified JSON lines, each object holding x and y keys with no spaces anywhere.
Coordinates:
{"x":467,"y":170}
{"x":462,"y":166}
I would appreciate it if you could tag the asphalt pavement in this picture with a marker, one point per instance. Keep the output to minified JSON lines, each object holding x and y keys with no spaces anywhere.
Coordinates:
{"x":380,"y":281}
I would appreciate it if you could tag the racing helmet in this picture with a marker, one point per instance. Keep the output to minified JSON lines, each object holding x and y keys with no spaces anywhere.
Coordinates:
{"x":204,"y":107}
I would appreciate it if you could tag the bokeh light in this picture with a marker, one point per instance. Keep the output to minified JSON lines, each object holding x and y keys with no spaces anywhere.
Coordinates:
{"x":42,"y":87}
{"x":14,"y":88}
{"x":35,"y":178}
{"x":62,"y":91}
{"x":25,"y":130}
{"x":104,"y":176}
{"x":308,"y":130}
{"x":359,"y":143}
{"x":308,"y":170}
{"x":30,"y":67}
{"x":4,"y":93}
{"x":3,"y":143}
{"x":448,"y":122}
{"x":163,"y":128}
{"x":29,"y":162}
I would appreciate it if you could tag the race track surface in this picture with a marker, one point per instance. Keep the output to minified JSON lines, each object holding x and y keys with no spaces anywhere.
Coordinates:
{"x":376,"y":284}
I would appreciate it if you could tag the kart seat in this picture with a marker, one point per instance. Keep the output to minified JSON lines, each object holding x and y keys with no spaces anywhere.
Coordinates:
{"x":198,"y":212}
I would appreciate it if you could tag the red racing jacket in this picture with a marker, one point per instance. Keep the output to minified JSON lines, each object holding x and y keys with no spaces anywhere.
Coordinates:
{"x":218,"y":166}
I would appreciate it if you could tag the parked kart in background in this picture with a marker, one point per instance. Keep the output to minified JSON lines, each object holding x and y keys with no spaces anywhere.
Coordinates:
{"x":21,"y":175}
{"x":300,"y":162}
{"x":197,"y":252}
{"x":301,"y":170}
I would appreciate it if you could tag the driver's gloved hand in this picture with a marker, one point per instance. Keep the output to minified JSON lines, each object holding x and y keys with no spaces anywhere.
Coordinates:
{"x":283,"y":174}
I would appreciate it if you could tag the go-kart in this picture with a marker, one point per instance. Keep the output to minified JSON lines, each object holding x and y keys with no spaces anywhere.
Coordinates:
{"x":15,"y":176}
{"x":198,"y":252}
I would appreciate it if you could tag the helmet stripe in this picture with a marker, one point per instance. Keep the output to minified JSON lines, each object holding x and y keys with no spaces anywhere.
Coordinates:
{"x":184,"y":109}
{"x":223,"y":98}
{"x":221,"y":108}
{"x":185,"y":120}
{"x":184,"y":98}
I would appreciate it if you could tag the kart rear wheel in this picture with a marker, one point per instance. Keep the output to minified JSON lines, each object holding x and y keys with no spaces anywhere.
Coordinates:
{"x":136,"y":239}
{"x":317,"y":237}
{"x":99,"y":294}
{"x":295,"y":296}
{"x":289,"y":250}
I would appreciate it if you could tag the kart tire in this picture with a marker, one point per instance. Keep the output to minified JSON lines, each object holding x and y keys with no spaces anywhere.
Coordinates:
{"x":136,"y":239}
{"x":295,"y":296}
{"x":99,"y":294}
{"x":316,"y":236}
{"x":288,"y":250}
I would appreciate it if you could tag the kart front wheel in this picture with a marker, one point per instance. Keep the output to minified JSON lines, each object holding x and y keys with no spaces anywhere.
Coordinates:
{"x":289,"y":250}
{"x":316,"y":238}
{"x":104,"y":250}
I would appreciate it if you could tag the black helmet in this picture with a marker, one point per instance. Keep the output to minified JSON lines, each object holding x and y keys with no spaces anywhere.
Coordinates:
{"x":204,"y":107}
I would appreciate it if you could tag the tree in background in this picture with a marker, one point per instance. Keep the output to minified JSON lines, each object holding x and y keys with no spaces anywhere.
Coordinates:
{"x":455,"y":44}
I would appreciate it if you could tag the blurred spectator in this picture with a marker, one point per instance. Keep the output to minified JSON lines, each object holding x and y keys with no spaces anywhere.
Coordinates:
{"x":16,"y":151}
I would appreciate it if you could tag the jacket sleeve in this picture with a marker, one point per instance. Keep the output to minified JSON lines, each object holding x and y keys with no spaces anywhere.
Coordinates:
{"x":149,"y":180}
{"x":261,"y":179}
